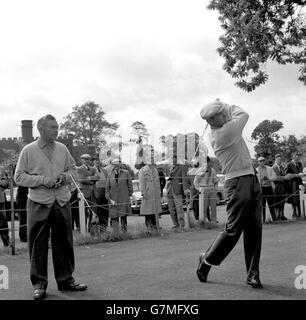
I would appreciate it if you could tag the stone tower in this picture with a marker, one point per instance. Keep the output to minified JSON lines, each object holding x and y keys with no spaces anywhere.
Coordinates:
{"x":27,"y":131}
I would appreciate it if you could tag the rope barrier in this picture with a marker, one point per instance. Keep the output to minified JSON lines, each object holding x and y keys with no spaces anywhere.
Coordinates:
{"x":91,"y":204}
{"x":186,"y":202}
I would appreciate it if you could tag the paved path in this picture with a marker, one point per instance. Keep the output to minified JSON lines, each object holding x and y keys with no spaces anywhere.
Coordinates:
{"x":164,"y":268}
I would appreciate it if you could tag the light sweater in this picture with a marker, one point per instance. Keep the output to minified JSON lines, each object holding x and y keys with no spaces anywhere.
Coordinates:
{"x":208,"y":180}
{"x":34,"y":166}
{"x":229,"y":146}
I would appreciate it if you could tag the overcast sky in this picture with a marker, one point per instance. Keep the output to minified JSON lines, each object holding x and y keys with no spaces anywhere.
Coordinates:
{"x":154,"y":61}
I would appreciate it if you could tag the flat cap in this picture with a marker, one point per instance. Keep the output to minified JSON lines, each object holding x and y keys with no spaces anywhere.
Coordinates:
{"x":85,"y":156}
{"x":212,"y":109}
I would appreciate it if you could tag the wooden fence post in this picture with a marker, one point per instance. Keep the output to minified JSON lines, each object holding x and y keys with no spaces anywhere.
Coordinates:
{"x":201,"y":205}
{"x":302,"y":201}
{"x":82,"y":216}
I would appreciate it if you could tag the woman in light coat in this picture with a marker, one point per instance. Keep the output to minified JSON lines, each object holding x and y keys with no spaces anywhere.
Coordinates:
{"x":118,"y":190}
{"x":149,"y":185}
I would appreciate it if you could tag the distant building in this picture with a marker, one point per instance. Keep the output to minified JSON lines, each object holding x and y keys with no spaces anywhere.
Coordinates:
{"x":12,"y":145}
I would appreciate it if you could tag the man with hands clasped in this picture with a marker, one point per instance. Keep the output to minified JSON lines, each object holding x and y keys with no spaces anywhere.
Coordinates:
{"x":44,"y":167}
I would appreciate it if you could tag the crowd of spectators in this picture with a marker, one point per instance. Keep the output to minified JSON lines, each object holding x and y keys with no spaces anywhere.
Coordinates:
{"x":108,"y":191}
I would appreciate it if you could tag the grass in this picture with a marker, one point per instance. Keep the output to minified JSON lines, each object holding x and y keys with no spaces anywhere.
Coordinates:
{"x":138,"y":231}
{"x":135,"y":231}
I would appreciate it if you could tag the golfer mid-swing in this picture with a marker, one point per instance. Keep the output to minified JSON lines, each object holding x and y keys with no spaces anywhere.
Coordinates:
{"x":242,"y":190}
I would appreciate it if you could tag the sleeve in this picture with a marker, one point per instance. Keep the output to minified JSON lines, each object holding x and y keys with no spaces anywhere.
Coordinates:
{"x":107,"y":188}
{"x":232,"y":130}
{"x":21,"y":176}
{"x":197,"y":181}
{"x":288,"y":168}
{"x":70,"y":168}
{"x":184,"y":177}
{"x":157,"y":179}
{"x":130,"y":184}
{"x":142,"y":183}
{"x":83,"y":177}
{"x":273,"y":175}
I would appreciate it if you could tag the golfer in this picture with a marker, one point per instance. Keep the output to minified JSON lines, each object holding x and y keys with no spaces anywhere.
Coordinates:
{"x":242,"y":190}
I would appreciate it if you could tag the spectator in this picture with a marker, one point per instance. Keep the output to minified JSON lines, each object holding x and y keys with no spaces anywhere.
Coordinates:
{"x":44,"y":166}
{"x":194,"y":193}
{"x":162,"y":180}
{"x":74,"y":203}
{"x":118,"y":190}
{"x":176,"y":188}
{"x":295,"y":170}
{"x":266,"y":188}
{"x":149,"y":185}
{"x":209,"y":182}
{"x":87,"y":178}
{"x":4,"y":231}
{"x":99,"y":194}
{"x":277,"y":176}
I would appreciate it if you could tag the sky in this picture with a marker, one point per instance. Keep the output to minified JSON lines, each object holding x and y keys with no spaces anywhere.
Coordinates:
{"x":141,"y":60}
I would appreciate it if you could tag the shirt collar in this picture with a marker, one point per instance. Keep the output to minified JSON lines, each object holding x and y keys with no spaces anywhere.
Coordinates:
{"x":42,"y":144}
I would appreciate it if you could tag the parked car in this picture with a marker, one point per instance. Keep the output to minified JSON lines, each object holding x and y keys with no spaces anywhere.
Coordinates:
{"x":136,"y":197}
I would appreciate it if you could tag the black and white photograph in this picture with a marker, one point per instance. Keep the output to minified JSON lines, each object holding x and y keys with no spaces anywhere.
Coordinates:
{"x":153,"y":153}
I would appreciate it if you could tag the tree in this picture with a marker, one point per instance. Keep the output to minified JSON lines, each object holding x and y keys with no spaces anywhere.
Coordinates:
{"x":268,"y":140}
{"x":257,"y":31}
{"x":302,"y":149}
{"x":87,"y":124}
{"x":289,"y":145}
{"x":140,"y":130}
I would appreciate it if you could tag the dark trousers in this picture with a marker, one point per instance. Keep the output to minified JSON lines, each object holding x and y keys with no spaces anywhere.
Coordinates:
{"x":150,"y":221}
{"x":4,"y":232}
{"x":21,"y":202}
{"x":244,"y":214}
{"x":294,"y":199}
{"x":114,"y":222}
{"x":102,"y":210}
{"x":89,"y":210}
{"x":195,"y":203}
{"x":279,"y":200}
{"x":40,"y":220}
{"x":75,"y":214}
{"x":267,"y":196}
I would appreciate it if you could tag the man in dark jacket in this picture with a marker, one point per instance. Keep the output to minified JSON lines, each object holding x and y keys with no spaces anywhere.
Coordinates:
{"x":294,"y":167}
{"x":176,"y":187}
